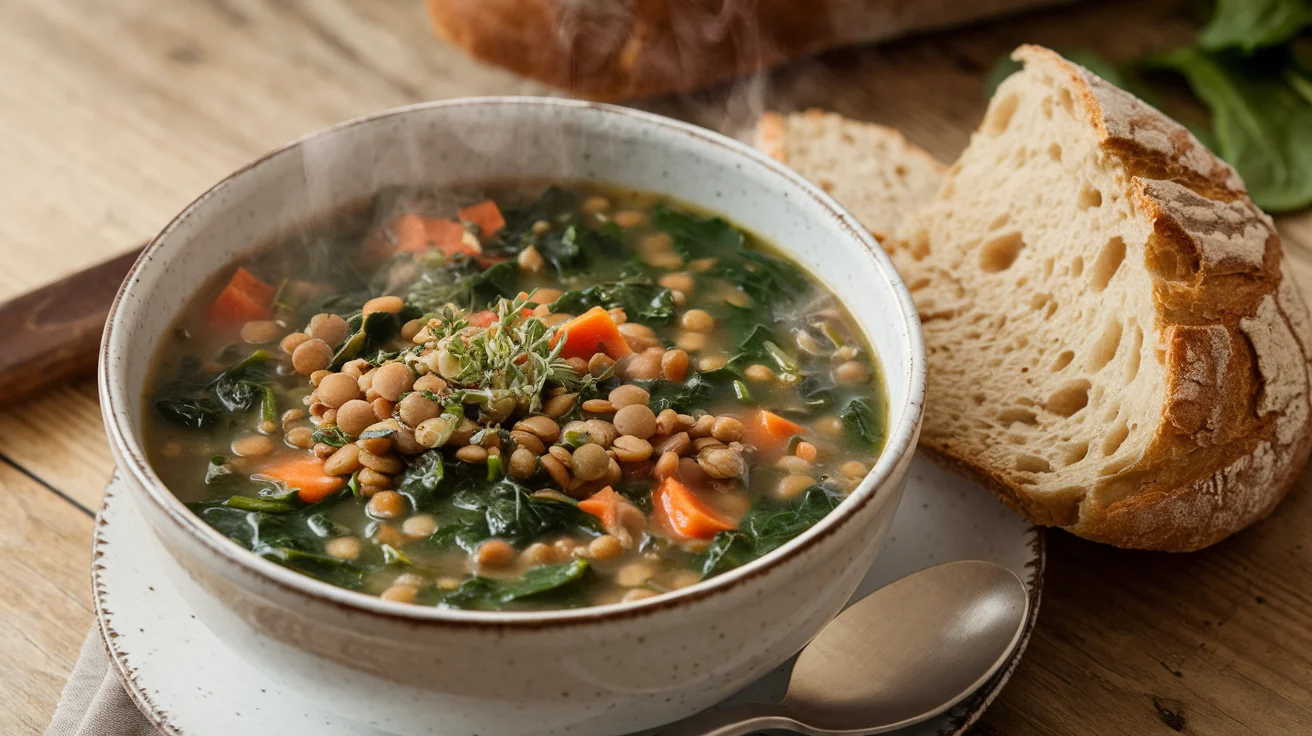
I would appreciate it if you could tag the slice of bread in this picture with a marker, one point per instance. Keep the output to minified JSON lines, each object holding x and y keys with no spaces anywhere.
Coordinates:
{"x":872,"y":170}
{"x":1115,"y":346}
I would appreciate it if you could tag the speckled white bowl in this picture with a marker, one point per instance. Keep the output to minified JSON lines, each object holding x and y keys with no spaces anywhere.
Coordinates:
{"x":602,"y":670}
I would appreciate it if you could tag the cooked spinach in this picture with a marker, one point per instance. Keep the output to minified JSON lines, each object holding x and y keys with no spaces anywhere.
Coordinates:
{"x":370,"y":335}
{"x":699,"y":237}
{"x":681,"y":397}
{"x":328,"y":569}
{"x":506,"y":510}
{"x":191,"y":400}
{"x":463,"y":283}
{"x":767,"y":527}
{"x":641,"y":299}
{"x":490,"y":594}
{"x":422,"y":477}
{"x":861,"y":425}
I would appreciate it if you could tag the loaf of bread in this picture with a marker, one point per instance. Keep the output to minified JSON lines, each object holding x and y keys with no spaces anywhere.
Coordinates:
{"x":613,"y":49}
{"x":1114,"y":344}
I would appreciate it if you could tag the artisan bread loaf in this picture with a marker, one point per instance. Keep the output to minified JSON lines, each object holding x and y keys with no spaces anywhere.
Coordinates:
{"x":872,"y":170}
{"x":1114,"y":344}
{"x":612,"y":49}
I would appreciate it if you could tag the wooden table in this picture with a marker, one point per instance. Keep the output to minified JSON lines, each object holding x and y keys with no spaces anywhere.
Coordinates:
{"x":113,"y":115}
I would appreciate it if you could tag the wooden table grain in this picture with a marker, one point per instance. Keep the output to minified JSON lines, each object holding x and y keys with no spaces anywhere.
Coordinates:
{"x":113,"y":115}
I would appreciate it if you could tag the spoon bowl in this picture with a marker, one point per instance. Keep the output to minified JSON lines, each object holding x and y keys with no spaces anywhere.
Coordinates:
{"x":905,"y":653}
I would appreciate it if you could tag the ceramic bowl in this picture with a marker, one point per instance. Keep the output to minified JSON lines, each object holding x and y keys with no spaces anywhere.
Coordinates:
{"x":601,"y":670}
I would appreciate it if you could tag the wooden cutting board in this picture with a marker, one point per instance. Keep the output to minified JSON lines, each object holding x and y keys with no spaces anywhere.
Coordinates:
{"x":114,"y":115}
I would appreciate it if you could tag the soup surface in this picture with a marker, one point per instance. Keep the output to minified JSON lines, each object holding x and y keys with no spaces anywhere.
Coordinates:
{"x":545,"y":399}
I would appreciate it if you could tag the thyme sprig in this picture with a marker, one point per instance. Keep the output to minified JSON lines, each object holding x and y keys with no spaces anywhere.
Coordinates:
{"x":515,"y":357}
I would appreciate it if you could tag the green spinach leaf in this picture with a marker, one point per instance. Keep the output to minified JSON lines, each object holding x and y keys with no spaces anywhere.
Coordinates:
{"x":640,"y":298}
{"x":330,"y":434}
{"x":681,"y":397}
{"x":372,"y":333}
{"x":861,"y":425}
{"x":698,"y":237}
{"x":767,"y":527}
{"x":1253,"y":24}
{"x":421,"y":478}
{"x":1263,"y":126}
{"x":490,"y":594}
{"x":192,"y":401}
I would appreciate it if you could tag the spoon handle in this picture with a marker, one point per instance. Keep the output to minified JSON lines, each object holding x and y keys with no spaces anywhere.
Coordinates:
{"x":734,"y":720}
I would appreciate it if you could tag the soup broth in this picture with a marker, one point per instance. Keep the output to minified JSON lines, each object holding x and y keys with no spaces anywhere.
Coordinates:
{"x":518,"y":398}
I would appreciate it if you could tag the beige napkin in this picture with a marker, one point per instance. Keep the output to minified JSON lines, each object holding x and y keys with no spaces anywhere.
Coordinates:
{"x":94,"y":702}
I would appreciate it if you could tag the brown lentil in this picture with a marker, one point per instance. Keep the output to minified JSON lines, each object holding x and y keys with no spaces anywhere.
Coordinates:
{"x":600,"y":432}
{"x":702,"y":427}
{"x":628,"y":395}
{"x":416,"y":408}
{"x":388,"y":464}
{"x":293,"y":341}
{"x":722,"y":462}
{"x":400,"y":594}
{"x":674,"y":365}
{"x":727,"y":429}
{"x":311,"y":355}
{"x":556,"y":470}
{"x":302,"y":437}
{"x":605,"y":548}
{"x":260,"y":331}
{"x":344,"y":461}
{"x":429,"y":432}
{"x":523,"y":464}
{"x":759,"y":373}
{"x":355,"y":416}
{"x":853,"y":469}
{"x":386,"y":504}
{"x":852,"y":372}
{"x":527,"y":441}
{"x":690,"y":342}
{"x":383,"y":408}
{"x":429,"y":382}
{"x":342,"y":548}
{"x":560,"y":405}
{"x":419,"y":526}
{"x":590,"y":462}
{"x":791,"y":486}
{"x":391,"y":304}
{"x":472,"y":454}
{"x":666,"y":466}
{"x":336,"y":389}
{"x":256,"y":445}
{"x":697,"y":320}
{"x":371,"y":477}
{"x":636,"y":420}
{"x":330,"y":328}
{"x":675,"y":444}
{"x":392,"y":380}
{"x":598,"y":406}
{"x":631,"y":449}
{"x":599,"y":364}
{"x":495,"y":553}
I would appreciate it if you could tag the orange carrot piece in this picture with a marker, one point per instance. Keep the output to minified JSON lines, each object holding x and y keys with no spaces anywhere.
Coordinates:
{"x":305,"y":474}
{"x":684,"y":516}
{"x":593,"y":332}
{"x":807,"y":451}
{"x":411,"y":233}
{"x":245,"y":298}
{"x":604,"y":505}
{"x":486,"y":215}
{"x":771,"y":432}
{"x":483,"y":319}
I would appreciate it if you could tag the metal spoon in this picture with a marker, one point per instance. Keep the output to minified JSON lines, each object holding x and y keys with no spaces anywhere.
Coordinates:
{"x":902,"y":655}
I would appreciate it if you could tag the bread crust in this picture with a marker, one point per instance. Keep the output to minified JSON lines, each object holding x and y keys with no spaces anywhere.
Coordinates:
{"x":1238,"y":426}
{"x":639,"y":48}
{"x":1237,"y":339}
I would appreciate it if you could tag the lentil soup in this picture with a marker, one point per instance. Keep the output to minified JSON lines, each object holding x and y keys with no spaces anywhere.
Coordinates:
{"x":547,"y":398}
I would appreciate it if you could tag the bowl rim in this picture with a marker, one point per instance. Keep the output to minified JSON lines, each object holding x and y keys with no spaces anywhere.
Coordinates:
{"x":899,"y":444}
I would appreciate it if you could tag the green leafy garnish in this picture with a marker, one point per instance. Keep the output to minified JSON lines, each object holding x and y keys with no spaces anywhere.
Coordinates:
{"x":330,"y":434}
{"x":640,"y":298}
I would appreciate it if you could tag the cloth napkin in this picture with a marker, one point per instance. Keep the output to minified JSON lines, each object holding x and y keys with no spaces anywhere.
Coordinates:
{"x":94,"y":702}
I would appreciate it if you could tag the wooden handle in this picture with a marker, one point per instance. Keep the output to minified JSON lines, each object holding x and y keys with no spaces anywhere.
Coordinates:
{"x":53,"y":334}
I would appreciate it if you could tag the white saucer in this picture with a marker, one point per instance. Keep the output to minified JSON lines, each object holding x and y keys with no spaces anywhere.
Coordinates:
{"x":186,"y":681}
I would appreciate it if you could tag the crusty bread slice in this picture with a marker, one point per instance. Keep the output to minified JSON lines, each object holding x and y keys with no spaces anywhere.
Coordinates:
{"x":1115,"y":346}
{"x":871,"y":169}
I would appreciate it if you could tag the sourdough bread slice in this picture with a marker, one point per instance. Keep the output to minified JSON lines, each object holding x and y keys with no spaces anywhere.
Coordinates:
{"x":872,"y":170}
{"x":1114,"y":344}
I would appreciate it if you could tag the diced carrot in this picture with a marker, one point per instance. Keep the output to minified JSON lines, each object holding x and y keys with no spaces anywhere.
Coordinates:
{"x":415,"y":234}
{"x":680,"y":513}
{"x":486,"y":215}
{"x":593,"y":332}
{"x":483,"y":319}
{"x":604,"y":505}
{"x":807,"y":451}
{"x":245,"y":298}
{"x":304,"y":473}
{"x":770,"y":432}
{"x":411,"y":233}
